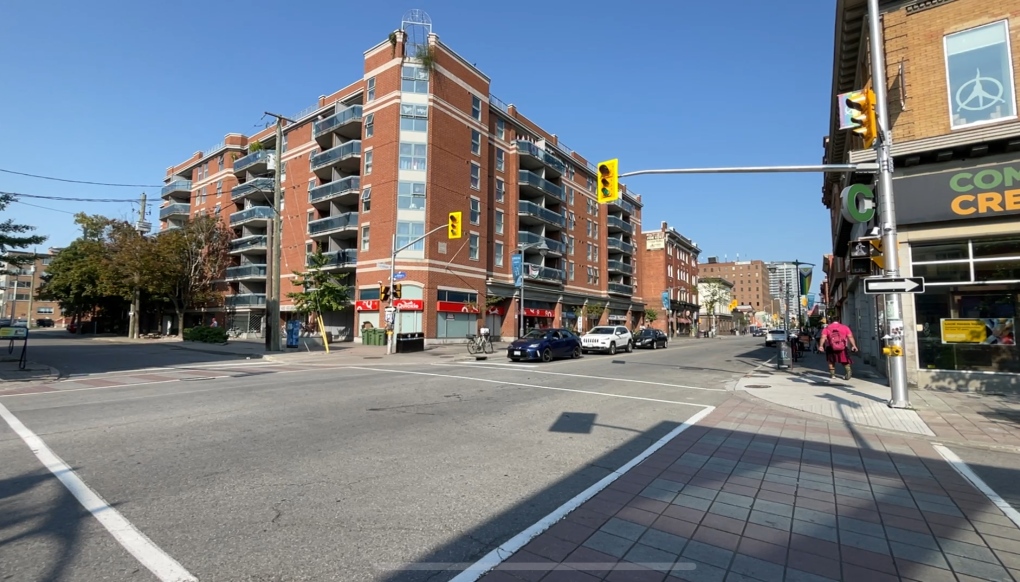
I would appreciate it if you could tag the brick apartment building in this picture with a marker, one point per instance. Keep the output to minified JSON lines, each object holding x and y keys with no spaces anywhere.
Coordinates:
{"x":388,"y":157}
{"x":20,"y":287}
{"x":750,"y":281}
{"x":951,"y":69}
{"x":669,"y":270}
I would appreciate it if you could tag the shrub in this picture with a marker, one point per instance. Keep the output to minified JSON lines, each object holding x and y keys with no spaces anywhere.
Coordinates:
{"x":206,"y":334}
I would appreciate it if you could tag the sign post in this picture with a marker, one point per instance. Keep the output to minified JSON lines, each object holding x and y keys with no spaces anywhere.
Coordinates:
{"x":883,"y":285}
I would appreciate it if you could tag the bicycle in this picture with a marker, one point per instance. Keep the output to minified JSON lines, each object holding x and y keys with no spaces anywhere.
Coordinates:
{"x":479,"y":344}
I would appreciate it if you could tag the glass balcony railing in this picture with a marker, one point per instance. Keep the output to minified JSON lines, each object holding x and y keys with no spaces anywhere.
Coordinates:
{"x":624,"y":205}
{"x":334,"y":189}
{"x":340,"y":258}
{"x":621,"y":289}
{"x":253,"y":242}
{"x":621,"y":224}
{"x":352,"y":113}
{"x":243,"y":271}
{"x":526,"y":148}
{"x":182,"y":186}
{"x":532,"y":209}
{"x":178,"y":209}
{"x":340,"y":221}
{"x":620,"y":267}
{"x":258,"y":185}
{"x":525,"y":177}
{"x":241,"y":164}
{"x":253,"y":213}
{"x":333,"y":155}
{"x":246,"y":300}
{"x":540,"y":272}
{"x":619,"y":245}
{"x":530,"y":238}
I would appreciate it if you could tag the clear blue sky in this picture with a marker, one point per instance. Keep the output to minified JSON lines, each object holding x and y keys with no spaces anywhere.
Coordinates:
{"x":117,"y":90}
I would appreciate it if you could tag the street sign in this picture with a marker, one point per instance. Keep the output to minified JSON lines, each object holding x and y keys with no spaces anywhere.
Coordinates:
{"x":381,"y":265}
{"x":399,"y":275}
{"x":880,"y":285}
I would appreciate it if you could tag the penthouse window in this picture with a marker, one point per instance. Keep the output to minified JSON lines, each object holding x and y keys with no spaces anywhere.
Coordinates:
{"x":414,"y":79}
{"x":979,"y":72}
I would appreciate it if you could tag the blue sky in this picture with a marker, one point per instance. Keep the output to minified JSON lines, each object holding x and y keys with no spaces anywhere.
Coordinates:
{"x":116,"y":91}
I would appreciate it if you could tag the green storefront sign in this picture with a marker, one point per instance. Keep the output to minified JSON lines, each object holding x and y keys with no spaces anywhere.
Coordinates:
{"x":986,"y":191}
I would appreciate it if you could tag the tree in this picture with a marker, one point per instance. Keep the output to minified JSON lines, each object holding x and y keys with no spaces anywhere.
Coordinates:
{"x":714,"y":293}
{"x":651,"y":315}
{"x":322,"y":291}
{"x":133,"y":267}
{"x":189,"y":261}
{"x":14,"y":237}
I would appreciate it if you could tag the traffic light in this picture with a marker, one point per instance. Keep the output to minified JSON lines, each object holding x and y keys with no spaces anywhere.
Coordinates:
{"x":861,"y":108}
{"x":453,"y":225}
{"x":396,"y":290}
{"x":609,"y":181}
{"x":384,"y":292}
{"x":733,"y":304}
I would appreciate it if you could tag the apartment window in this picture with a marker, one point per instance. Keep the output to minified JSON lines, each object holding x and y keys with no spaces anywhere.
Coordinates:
{"x":411,"y":195}
{"x":595,"y":231}
{"x":370,"y":125}
{"x":414,"y":79}
{"x":587,"y":229}
{"x":408,"y":231}
{"x":499,"y":160}
{"x":219,"y":188}
{"x":476,"y":176}
{"x":570,"y":245}
{"x":570,"y":270}
{"x":573,"y":220}
{"x":412,"y":156}
{"x":44,"y":310}
{"x":309,"y":248}
{"x":368,"y":162}
{"x":476,"y":142}
{"x":217,"y":209}
{"x":201,"y":196}
{"x":497,"y":254}
{"x":595,"y":253}
{"x":570,"y":195}
{"x":570,"y":171}
{"x":588,"y":253}
{"x":500,"y":128}
{"x":366,"y":199}
{"x":476,"y":108}
{"x":669,"y":270}
{"x":499,"y":222}
{"x":219,"y":161}
{"x":473,"y":246}
{"x":980,"y":75}
{"x":283,"y":145}
{"x":500,"y":189}
{"x":414,"y":117}
{"x":591,"y":183}
{"x":309,"y":216}
{"x":364,"y":237}
{"x":370,"y":89}
{"x":311,"y":184}
{"x":476,"y":211}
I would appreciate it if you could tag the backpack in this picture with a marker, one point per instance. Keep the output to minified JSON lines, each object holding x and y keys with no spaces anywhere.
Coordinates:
{"x":837,"y":341}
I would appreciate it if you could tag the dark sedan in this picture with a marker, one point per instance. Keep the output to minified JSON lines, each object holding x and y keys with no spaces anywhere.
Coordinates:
{"x":544,"y":345}
{"x":651,"y":338}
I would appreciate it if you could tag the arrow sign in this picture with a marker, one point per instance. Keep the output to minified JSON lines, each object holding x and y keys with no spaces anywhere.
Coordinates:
{"x":880,"y":285}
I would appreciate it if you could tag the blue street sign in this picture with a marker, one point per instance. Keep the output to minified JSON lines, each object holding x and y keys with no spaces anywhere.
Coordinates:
{"x":399,"y":275}
{"x":665,"y":300}
{"x":517,"y":266}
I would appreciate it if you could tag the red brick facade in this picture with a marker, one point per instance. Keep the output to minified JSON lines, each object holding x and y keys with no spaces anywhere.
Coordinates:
{"x":669,"y":263}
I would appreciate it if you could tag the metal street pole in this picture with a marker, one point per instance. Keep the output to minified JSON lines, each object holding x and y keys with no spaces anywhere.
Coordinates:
{"x":274,"y":272}
{"x":887,"y":212}
{"x":393,"y":263}
{"x":520,"y":311}
{"x":31,"y":295}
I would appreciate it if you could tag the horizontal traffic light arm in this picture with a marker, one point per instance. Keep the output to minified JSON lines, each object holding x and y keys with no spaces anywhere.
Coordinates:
{"x":862,"y":167}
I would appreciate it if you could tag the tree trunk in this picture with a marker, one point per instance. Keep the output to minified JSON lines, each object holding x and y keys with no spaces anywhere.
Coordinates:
{"x":179,"y":311}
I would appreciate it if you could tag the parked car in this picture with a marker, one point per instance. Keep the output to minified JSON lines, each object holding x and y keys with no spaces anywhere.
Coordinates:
{"x":545,"y":345}
{"x":651,"y":338}
{"x":44,"y":322}
{"x":607,"y":338}
{"x":775,"y":336}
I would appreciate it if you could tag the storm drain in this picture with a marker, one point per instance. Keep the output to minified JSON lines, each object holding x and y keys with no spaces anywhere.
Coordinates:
{"x":758,"y":386}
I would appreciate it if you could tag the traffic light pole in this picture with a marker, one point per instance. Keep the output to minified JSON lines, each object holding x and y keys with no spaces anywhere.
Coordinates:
{"x":390,"y":345}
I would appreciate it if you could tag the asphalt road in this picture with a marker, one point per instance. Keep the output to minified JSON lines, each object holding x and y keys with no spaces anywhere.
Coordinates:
{"x":333,"y":472}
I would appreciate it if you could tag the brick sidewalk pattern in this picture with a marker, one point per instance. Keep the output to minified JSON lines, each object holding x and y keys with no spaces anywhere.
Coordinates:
{"x":970,"y":417}
{"x":754,"y":492}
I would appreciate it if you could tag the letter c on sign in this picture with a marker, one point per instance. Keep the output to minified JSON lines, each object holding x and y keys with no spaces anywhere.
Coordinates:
{"x":958,"y":205}
{"x":858,"y":203}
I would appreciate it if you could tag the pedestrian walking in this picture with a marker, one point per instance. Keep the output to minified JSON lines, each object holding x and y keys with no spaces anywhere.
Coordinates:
{"x":837,"y":341}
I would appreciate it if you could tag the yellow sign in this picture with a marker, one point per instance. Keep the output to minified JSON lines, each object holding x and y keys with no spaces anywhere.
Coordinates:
{"x":978,"y":331}
{"x":12,"y":332}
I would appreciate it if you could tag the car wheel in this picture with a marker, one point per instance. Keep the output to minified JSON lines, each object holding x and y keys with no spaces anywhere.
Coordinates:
{"x":547,"y":355}
{"x":576,"y":353}
{"x":655,"y":345}
{"x":612,"y":349}
{"x":630,"y":347}
{"x":665,"y":344}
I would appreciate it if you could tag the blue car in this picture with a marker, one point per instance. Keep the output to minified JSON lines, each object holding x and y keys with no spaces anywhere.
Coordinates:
{"x":544,"y":345}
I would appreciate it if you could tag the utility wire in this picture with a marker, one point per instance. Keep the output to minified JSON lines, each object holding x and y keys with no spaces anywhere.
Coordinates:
{"x":69,"y":199}
{"x":43,"y":207}
{"x":81,"y":181}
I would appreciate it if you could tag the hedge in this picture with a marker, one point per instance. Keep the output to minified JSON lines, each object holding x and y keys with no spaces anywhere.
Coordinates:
{"x":206,"y":334}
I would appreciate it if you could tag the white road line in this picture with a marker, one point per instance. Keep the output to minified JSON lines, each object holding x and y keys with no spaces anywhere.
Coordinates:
{"x":134,"y":541}
{"x":498,"y":555}
{"x":511,"y":383}
{"x":533,"y":371}
{"x":967,"y":473}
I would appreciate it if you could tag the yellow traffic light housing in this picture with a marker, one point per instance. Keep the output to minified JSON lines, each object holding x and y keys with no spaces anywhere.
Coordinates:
{"x":733,"y":304}
{"x":876,"y":254}
{"x":396,"y":290}
{"x":609,"y":181}
{"x":384,"y":292}
{"x":861,"y":107}
{"x":454,"y":225}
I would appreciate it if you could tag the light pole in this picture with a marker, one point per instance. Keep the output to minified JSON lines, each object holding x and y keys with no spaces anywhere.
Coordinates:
{"x":543,"y":249}
{"x":784,"y":291}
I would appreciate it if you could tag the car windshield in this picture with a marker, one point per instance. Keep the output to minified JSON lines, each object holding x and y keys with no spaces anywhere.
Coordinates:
{"x":535,"y":334}
{"x":603,"y":330}
{"x":647,"y":332}
{"x":774,"y":331}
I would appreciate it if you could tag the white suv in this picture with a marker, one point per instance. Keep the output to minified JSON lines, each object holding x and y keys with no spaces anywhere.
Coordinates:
{"x":775,"y":336}
{"x":608,"y":339}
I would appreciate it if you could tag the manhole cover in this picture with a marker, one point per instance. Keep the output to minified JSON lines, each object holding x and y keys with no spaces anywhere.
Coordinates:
{"x":758,"y":386}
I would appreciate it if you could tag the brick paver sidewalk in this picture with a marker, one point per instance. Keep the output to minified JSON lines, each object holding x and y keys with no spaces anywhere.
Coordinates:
{"x":971,"y":417}
{"x":755,"y":492}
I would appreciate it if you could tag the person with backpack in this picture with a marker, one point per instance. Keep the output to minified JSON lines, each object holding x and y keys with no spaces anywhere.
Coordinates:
{"x":835,"y":341}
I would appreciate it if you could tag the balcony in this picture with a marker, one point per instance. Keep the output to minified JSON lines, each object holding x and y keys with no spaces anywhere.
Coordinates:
{"x":346,"y":122}
{"x":178,"y":188}
{"x":533,"y":157}
{"x":176,"y":209}
{"x":529,"y":238}
{"x":542,"y":273}
{"x":534,"y":185}
{"x":620,"y":267}
{"x":246,"y":300}
{"x":255,"y":162}
{"x":344,"y":258}
{"x":348,"y":221}
{"x":616,"y":244}
{"x":349,"y":186}
{"x":253,"y":214}
{"x":624,"y":205}
{"x":255,"y":242}
{"x":345,"y":157}
{"x":531,"y":213}
{"x":617,"y":224}
{"x":253,"y":271}
{"x":621,"y":289}
{"x":263,"y":187}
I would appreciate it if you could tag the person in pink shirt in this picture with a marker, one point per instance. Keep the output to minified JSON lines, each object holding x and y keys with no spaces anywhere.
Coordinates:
{"x":837,"y":341}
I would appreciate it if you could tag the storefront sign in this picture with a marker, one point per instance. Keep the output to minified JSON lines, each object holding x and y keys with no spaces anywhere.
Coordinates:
{"x":858,"y":203}
{"x":532,"y":312}
{"x":366,"y":305}
{"x":495,"y":310}
{"x":978,"y":331}
{"x":454,"y":307}
{"x":655,"y":241}
{"x":987,"y":191}
{"x":410,"y":304}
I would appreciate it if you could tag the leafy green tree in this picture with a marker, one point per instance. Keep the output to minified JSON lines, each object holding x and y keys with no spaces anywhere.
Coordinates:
{"x":15,"y":237}
{"x":188,"y":263}
{"x":651,"y":315}
{"x":322,"y":291}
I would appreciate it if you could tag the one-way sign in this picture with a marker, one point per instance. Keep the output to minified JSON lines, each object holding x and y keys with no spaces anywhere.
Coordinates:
{"x":880,"y":285}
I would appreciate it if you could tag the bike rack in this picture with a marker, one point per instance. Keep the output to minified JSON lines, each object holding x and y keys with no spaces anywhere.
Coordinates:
{"x":14,"y":334}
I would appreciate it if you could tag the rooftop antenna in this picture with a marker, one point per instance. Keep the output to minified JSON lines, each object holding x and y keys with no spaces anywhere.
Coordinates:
{"x":417,"y":26}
